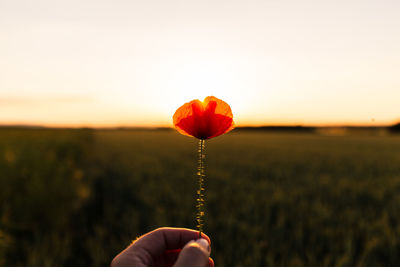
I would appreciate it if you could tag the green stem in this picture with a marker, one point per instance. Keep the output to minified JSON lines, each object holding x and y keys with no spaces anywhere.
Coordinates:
{"x":200,"y":191}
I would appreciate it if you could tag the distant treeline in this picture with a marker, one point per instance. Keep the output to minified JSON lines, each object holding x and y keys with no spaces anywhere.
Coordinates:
{"x":297,"y":128}
{"x":308,"y":129}
{"x":278,"y":128}
{"x":395,"y":128}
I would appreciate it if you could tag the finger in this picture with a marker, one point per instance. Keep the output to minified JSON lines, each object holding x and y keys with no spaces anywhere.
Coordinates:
{"x":210,"y":262}
{"x":162,"y":239}
{"x":194,"y":254}
{"x":171,"y":256}
{"x":153,"y":245}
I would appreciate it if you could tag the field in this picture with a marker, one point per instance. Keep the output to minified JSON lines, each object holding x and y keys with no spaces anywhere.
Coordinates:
{"x":78,"y":197}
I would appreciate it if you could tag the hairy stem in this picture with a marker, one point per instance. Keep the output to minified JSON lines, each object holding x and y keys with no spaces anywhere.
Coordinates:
{"x":200,"y":190}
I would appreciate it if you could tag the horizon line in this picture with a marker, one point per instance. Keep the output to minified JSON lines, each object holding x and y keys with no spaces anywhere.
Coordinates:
{"x":44,"y":126}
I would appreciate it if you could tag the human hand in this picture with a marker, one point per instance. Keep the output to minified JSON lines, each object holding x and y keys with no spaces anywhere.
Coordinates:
{"x":172,"y":247}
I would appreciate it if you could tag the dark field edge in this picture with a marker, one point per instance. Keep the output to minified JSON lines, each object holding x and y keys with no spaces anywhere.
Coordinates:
{"x":295,"y":129}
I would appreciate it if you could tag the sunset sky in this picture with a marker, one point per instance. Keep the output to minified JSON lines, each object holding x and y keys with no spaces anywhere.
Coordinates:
{"x":133,"y":63}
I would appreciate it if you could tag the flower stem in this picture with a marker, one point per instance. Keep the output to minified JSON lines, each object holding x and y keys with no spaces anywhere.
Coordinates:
{"x":200,"y":191}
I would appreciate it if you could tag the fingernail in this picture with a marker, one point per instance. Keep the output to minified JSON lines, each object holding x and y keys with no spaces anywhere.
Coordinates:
{"x":203,"y":244}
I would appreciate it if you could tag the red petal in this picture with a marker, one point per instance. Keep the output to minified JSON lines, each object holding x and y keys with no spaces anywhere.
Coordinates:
{"x":204,"y":120}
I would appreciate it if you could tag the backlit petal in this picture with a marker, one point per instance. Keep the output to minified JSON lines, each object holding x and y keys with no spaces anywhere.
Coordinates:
{"x":204,"y":120}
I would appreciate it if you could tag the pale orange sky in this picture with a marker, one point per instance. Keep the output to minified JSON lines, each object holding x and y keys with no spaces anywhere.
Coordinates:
{"x":132,"y":63}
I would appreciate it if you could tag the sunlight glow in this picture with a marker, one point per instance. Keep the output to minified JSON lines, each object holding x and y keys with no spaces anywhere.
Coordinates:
{"x":133,"y":63}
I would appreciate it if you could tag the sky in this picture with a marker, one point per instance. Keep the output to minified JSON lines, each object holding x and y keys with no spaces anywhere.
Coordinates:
{"x":133,"y":63}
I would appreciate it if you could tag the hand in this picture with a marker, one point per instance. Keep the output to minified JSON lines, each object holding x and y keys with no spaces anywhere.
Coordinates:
{"x":172,"y":247}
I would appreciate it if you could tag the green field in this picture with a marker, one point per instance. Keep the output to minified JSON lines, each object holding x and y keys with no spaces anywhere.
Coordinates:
{"x":78,"y":197}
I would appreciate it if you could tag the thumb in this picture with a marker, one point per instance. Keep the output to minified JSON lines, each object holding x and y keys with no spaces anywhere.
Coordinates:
{"x":194,"y":254}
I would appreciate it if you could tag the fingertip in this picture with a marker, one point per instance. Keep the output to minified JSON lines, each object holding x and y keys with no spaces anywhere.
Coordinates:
{"x":203,"y":235}
{"x":210,"y":262}
{"x":178,"y":237}
{"x":194,"y":254}
{"x":204,"y":244}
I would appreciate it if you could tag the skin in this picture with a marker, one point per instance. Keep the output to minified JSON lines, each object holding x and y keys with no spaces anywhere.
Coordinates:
{"x":172,"y":247}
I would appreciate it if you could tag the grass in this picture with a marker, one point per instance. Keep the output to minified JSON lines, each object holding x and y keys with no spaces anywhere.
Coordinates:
{"x":78,"y":197}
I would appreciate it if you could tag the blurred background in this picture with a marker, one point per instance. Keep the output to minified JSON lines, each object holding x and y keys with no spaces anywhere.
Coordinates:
{"x":88,"y":159}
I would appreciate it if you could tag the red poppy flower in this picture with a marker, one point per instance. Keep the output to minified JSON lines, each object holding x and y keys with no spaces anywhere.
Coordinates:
{"x":204,"y":120}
